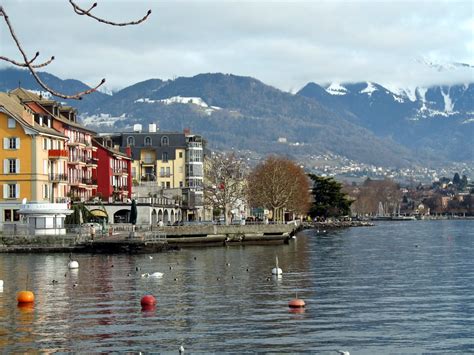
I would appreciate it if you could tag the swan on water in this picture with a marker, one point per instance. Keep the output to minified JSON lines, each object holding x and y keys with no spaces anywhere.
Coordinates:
{"x":156,"y":275}
{"x":73,"y":264}
{"x":276,"y":270}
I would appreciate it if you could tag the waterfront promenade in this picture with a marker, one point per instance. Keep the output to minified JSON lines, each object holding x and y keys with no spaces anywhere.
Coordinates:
{"x":146,"y":238}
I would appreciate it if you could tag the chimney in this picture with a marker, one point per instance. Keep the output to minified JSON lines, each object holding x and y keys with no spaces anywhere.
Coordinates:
{"x":186,"y":131}
{"x":152,"y":128}
{"x":137,"y":128}
{"x":128,"y":151}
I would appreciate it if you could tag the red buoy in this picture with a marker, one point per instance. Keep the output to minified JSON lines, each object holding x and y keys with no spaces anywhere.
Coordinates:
{"x":25,"y":297}
{"x":296,"y":303}
{"x":148,"y":300}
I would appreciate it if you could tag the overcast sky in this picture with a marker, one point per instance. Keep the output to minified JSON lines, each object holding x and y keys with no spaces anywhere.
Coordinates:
{"x":282,"y":43}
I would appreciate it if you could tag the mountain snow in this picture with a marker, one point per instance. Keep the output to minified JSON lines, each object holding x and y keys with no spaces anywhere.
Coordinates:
{"x":369,"y":89}
{"x":103,"y":119}
{"x":448,"y":104}
{"x":336,"y":89}
{"x":182,"y":100}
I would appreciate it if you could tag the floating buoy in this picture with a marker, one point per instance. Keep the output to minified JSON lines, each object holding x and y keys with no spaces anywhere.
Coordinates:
{"x":73,"y":264}
{"x":25,"y":297}
{"x":148,"y":300}
{"x":296,"y":303}
{"x":276,"y":270}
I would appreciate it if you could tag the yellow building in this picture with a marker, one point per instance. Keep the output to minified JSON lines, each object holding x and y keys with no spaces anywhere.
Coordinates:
{"x":32,"y":155}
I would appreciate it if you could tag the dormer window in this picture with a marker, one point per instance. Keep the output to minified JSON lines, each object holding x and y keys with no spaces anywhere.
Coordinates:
{"x":130,"y":141}
{"x":164,"y":140}
{"x":147,"y":140}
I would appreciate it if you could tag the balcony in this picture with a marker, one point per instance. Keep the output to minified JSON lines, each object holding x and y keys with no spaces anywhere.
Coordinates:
{"x":92,"y":162}
{"x":75,"y":160}
{"x":89,"y":181}
{"x":77,"y":141}
{"x":55,"y":178}
{"x":120,"y":171}
{"x":58,"y":154}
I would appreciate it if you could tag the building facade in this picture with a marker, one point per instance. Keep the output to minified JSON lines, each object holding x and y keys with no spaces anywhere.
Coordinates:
{"x":168,"y":161}
{"x":80,"y":167}
{"x":114,"y":178}
{"x":33,"y":165}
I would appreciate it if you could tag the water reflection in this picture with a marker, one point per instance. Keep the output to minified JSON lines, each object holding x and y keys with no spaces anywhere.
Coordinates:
{"x":366,"y":290}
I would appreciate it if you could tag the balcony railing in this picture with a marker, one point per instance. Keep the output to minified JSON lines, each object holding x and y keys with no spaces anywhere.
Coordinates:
{"x":92,"y":161}
{"x":57,"y":153}
{"x":58,"y":177}
{"x":89,"y":181}
{"x":77,"y":140}
{"x":119,"y":171}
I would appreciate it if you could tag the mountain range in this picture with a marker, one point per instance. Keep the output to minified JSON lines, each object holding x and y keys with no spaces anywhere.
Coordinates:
{"x":364,"y":122}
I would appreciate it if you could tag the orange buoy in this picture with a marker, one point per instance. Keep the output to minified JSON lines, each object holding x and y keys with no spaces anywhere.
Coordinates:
{"x":148,"y":300}
{"x":25,"y":297}
{"x":296,"y":303}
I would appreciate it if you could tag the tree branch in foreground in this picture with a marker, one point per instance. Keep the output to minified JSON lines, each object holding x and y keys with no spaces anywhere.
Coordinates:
{"x":80,"y":11}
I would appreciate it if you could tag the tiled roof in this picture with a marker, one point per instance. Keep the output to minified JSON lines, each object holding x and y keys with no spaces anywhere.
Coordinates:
{"x":12,"y":104}
{"x":26,"y":95}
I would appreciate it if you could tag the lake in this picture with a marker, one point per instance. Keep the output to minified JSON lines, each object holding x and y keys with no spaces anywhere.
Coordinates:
{"x":398,"y":287}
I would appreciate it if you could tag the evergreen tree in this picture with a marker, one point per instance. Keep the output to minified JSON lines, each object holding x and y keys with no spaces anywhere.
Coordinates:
{"x":329,"y":200}
{"x":456,"y":179}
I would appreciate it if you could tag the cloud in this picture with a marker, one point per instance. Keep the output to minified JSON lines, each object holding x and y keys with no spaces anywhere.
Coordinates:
{"x":286,"y":44}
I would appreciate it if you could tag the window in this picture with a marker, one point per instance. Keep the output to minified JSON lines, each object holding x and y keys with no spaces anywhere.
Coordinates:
{"x":12,"y":166}
{"x":147,"y":141}
{"x":168,"y":184}
{"x":11,"y":190}
{"x":180,"y":154}
{"x":11,"y":216}
{"x":164,"y":140}
{"x":168,"y":171}
{"x":130,"y":141}
{"x":180,"y":184}
{"x":164,"y":156}
{"x":11,"y":123}
{"x":162,"y":171}
{"x":45,"y":191}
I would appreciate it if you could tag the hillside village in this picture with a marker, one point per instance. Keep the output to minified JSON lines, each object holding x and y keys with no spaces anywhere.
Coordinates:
{"x":49,"y":157}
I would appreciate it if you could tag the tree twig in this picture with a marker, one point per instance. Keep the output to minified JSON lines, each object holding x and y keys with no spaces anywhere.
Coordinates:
{"x":80,"y":11}
{"x":27,"y":64}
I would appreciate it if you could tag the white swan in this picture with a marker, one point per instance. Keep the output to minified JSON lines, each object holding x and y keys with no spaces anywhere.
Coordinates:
{"x":156,"y":275}
{"x":73,"y":264}
{"x":276,"y":270}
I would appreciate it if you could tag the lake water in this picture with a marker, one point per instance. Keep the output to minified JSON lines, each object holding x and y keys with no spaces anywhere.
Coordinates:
{"x":398,"y":287}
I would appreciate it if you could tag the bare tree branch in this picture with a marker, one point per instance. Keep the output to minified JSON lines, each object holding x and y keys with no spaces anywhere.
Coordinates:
{"x":80,"y":11}
{"x":27,"y":63}
{"x":24,"y":65}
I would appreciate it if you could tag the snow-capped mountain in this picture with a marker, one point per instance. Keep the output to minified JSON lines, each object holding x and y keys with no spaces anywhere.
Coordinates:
{"x":420,"y":118}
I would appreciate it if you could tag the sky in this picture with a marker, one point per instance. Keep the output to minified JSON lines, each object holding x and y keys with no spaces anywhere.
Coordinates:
{"x":283,"y":43}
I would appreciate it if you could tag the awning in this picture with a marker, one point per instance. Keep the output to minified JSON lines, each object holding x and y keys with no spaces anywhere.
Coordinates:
{"x":99,"y":213}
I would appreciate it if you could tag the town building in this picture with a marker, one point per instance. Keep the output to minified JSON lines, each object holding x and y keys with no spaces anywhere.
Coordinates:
{"x":114,"y":178}
{"x":81,"y":165}
{"x":33,"y":156}
{"x":170,"y":162}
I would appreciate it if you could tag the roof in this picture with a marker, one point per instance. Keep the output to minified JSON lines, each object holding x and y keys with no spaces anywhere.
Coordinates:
{"x":26,"y":96}
{"x":112,"y":151}
{"x":13,"y":106}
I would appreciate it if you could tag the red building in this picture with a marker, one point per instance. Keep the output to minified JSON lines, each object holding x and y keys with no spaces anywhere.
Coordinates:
{"x":114,"y":178}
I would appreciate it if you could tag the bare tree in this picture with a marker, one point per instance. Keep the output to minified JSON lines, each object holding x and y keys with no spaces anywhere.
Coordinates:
{"x":279,"y":184}
{"x":28,"y":63}
{"x":224,"y":184}
{"x":374,"y":192}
